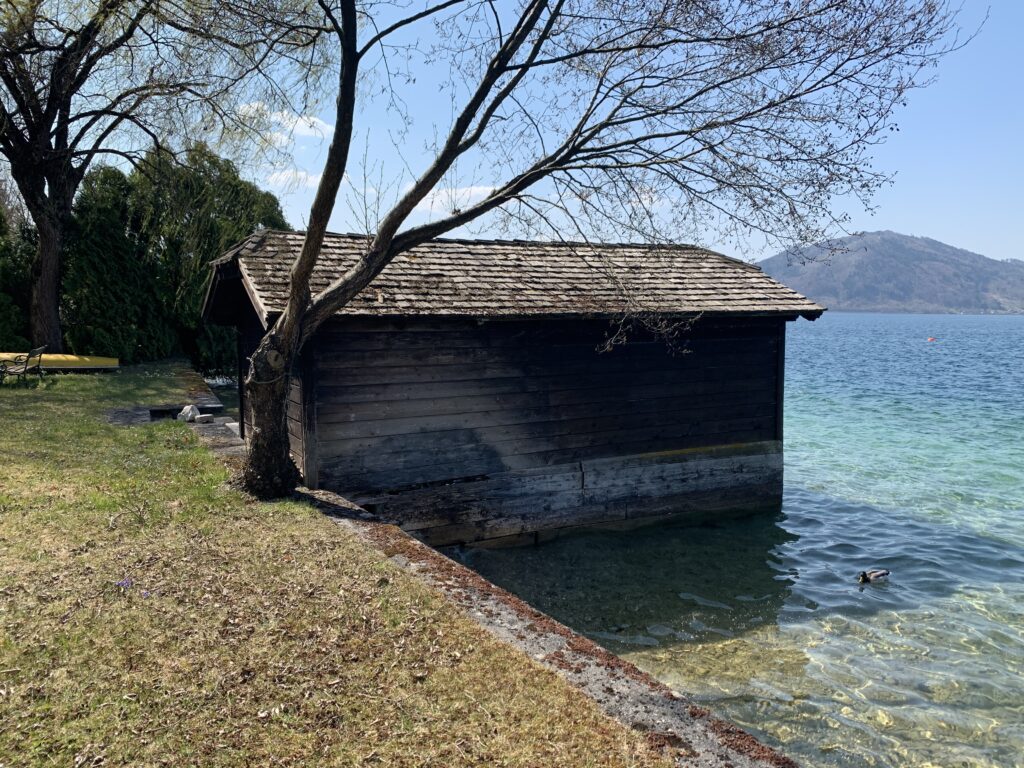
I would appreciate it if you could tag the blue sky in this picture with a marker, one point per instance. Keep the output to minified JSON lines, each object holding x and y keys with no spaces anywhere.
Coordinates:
{"x":959,"y":155}
{"x":957,"y":158}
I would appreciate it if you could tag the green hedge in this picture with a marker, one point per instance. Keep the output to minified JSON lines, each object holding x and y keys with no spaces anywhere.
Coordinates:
{"x":136,"y":260}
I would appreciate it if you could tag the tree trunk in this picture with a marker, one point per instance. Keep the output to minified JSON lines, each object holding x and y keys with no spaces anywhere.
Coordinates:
{"x":269,"y":470}
{"x":44,"y":315}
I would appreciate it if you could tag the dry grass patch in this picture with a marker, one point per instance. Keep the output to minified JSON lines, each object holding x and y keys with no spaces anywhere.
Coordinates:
{"x":150,"y":615}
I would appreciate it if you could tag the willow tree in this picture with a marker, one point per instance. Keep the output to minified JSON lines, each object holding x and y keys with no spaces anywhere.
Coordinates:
{"x":86,"y":79}
{"x":641,"y":120}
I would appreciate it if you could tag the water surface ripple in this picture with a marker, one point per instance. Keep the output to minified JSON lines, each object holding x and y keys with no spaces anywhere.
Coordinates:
{"x":901,"y":453}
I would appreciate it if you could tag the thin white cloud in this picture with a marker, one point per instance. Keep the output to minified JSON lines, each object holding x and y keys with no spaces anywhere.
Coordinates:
{"x":444,"y":201}
{"x":293,"y":178}
{"x":253,"y":109}
{"x":285,"y":124}
{"x":302,"y":125}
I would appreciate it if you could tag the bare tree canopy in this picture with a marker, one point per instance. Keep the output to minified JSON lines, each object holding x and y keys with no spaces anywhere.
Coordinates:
{"x":110,"y":78}
{"x":608,"y":120}
{"x":648,"y":120}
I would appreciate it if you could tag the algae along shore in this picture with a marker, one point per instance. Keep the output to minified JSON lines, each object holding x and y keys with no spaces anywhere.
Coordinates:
{"x":902,"y":453}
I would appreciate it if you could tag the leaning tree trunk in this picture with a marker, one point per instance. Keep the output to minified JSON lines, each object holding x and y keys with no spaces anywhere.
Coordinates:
{"x":44,"y":313}
{"x":269,"y":470}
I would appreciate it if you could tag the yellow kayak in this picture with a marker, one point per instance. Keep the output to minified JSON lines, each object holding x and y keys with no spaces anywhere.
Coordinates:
{"x":67,"y":362}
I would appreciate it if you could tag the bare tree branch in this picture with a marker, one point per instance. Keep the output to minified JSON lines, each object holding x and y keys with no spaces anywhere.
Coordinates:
{"x":647,"y":120}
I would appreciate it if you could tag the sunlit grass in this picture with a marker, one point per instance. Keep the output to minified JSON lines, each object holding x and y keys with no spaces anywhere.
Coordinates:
{"x":151,"y":615}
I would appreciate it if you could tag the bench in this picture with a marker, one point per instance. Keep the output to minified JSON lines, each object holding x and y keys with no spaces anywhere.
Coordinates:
{"x":23,"y":365}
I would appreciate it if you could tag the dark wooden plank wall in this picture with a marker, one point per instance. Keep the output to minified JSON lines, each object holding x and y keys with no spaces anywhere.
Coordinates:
{"x":296,"y":421}
{"x":525,"y":505}
{"x":403,"y":404}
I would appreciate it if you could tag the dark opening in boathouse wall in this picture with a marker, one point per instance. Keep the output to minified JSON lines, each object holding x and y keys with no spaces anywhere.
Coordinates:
{"x":468,"y":395}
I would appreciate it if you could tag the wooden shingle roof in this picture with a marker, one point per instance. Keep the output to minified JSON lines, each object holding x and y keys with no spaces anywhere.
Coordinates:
{"x":510,"y":278}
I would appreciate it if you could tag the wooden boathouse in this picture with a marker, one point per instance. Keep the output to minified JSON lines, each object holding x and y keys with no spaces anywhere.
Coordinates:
{"x":471,"y":394}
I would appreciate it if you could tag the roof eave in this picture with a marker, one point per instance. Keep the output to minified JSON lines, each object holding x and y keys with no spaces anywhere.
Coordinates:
{"x":785,"y":314}
{"x":211,"y":289}
{"x":254,"y":297}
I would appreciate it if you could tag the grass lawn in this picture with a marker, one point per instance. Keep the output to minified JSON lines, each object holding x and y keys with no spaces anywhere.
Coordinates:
{"x":151,"y":615}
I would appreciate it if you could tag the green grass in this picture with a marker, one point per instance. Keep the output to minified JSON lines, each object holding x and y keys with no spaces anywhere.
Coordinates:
{"x":151,"y":615}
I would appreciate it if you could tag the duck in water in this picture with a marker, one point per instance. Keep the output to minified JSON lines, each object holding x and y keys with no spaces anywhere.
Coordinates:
{"x":866,"y":577}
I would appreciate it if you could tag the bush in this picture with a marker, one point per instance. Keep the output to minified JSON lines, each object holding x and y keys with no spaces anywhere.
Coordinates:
{"x":15,"y":257}
{"x":136,"y":260}
{"x":110,"y":302}
{"x":13,"y":331}
{"x":188,"y":214}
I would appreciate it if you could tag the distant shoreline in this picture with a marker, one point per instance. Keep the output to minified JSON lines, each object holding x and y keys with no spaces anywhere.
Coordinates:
{"x":939,"y":313}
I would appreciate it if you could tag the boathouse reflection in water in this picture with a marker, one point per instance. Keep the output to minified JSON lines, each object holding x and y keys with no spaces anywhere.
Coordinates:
{"x":654,"y":586}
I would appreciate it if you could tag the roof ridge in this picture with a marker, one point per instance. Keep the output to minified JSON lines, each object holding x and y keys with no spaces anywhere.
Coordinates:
{"x":522,"y":241}
{"x":557,"y":243}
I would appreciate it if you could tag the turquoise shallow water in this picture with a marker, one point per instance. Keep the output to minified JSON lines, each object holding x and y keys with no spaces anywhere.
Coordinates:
{"x":901,"y":453}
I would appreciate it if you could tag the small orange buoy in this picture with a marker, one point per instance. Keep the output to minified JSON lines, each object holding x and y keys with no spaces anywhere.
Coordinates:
{"x":932,"y":338}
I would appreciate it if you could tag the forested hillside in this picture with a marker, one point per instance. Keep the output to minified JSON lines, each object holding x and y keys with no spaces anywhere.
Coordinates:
{"x":890,"y":272}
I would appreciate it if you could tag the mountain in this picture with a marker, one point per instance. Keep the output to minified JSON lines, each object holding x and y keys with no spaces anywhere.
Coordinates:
{"x":890,"y":272}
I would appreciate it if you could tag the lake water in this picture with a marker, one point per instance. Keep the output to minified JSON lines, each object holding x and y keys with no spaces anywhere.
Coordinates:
{"x":901,"y":453}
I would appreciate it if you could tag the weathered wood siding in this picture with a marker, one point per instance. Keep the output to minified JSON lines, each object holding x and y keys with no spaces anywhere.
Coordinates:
{"x":452,"y":424}
{"x":302,"y":431}
{"x":296,"y":431}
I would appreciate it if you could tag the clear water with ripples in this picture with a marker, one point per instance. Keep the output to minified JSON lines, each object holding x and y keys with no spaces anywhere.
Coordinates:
{"x":901,"y":453}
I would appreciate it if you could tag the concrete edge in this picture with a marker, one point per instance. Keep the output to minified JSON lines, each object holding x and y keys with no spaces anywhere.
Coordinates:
{"x":691,"y":734}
